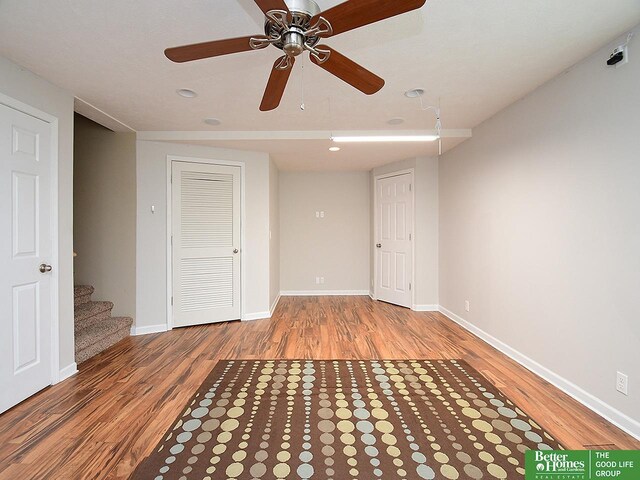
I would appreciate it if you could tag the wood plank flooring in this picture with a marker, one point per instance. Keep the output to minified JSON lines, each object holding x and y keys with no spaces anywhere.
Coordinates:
{"x":102,"y":422}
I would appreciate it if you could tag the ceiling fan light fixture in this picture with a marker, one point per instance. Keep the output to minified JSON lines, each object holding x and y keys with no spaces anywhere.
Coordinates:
{"x":334,"y":149}
{"x":385,"y":138}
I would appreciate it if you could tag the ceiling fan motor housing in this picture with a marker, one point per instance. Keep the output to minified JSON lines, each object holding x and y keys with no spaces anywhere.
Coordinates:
{"x":293,"y":39}
{"x":304,"y":7}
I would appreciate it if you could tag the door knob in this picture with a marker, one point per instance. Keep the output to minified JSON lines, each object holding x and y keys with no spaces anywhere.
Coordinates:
{"x":235,"y":250}
{"x":378,"y":245}
{"x":44,"y":268}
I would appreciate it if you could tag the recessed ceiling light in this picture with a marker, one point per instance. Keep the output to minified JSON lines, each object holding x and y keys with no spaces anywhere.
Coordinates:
{"x":186,"y":93}
{"x":396,"y":121}
{"x":334,"y":149}
{"x":414,"y":93}
{"x":212,"y":121}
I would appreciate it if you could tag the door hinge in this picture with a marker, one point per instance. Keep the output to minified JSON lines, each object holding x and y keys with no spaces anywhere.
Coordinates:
{"x":409,"y":287}
{"x":410,"y":237}
{"x":171,"y":300}
{"x":410,"y":187}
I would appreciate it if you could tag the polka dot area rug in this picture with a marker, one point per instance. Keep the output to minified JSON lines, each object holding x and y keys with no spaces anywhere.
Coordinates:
{"x":337,"y":419}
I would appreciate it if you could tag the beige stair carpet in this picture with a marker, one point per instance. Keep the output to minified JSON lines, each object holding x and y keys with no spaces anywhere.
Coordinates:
{"x":95,"y":329}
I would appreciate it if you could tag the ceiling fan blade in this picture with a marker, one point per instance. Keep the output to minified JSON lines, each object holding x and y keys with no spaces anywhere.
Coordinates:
{"x":268,"y":5}
{"x":349,"y":71}
{"x":277,"y":83}
{"x":358,"y":13}
{"x":197,"y":51}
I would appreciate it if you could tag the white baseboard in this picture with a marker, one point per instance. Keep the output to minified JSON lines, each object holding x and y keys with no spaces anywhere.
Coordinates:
{"x":274,"y":305}
{"x":323,"y":293}
{"x":247,"y":317}
{"x":68,"y":371}
{"x":425,"y":308}
{"x":135,"y":331}
{"x":372,"y":296}
{"x":616,"y":417}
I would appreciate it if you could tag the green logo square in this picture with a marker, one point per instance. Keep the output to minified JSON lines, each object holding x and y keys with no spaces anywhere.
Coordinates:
{"x":582,"y":464}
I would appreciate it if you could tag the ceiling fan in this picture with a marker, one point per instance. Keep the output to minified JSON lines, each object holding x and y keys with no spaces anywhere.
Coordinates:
{"x":296,"y":26}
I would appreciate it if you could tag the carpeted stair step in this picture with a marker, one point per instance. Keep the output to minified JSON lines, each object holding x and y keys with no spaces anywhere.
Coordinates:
{"x":98,"y":337}
{"x":82,"y":294}
{"x":91,"y":313}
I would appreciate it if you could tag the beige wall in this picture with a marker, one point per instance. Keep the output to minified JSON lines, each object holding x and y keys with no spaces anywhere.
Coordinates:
{"x":540,"y":228}
{"x":151,"y":250}
{"x":426,"y":226}
{"x":104,"y":218}
{"x":274,"y":233}
{"x":335,"y":247}
{"x":22,"y":85}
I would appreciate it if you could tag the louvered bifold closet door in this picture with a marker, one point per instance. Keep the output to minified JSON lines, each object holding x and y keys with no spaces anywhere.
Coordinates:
{"x":206,"y":243}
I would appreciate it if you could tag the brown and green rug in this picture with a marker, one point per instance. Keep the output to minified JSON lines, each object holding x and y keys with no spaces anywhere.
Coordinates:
{"x":365,"y":420}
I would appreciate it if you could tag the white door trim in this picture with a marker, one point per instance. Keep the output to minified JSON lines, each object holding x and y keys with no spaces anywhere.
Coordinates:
{"x":410,"y":171}
{"x":55,"y":257}
{"x":208,"y":161}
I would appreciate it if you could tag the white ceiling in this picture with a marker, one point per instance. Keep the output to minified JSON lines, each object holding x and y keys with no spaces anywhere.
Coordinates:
{"x":475,"y":56}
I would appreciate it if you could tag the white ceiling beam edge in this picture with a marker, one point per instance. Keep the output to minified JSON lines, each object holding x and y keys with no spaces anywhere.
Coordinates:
{"x":177,"y":136}
{"x":101,"y":117}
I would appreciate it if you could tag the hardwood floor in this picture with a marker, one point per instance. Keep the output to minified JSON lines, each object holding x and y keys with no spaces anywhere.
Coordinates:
{"x":102,"y":422}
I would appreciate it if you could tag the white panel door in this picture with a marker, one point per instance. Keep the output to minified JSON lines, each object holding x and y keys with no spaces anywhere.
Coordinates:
{"x":394,"y":235}
{"x":206,"y":243}
{"x":25,"y":246}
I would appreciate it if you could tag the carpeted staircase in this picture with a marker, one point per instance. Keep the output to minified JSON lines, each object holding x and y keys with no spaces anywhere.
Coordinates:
{"x":95,"y":328}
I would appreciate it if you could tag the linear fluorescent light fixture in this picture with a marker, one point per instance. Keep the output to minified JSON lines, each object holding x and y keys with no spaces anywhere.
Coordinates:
{"x":386,"y":138}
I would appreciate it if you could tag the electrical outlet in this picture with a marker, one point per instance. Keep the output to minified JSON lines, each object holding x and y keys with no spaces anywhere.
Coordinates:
{"x":622,"y":383}
{"x":467,"y":306}
{"x":317,"y":214}
{"x":317,"y":280}
{"x":322,"y":280}
{"x":322,"y":214}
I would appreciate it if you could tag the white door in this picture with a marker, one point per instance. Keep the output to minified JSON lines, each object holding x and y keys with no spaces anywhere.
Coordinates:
{"x":206,"y":243}
{"x":25,"y":246}
{"x":394,"y":235}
